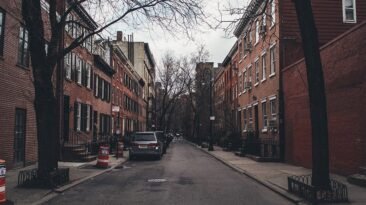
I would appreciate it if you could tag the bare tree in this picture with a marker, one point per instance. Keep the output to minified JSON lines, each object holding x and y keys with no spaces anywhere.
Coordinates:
{"x":172,"y":78}
{"x":171,"y":15}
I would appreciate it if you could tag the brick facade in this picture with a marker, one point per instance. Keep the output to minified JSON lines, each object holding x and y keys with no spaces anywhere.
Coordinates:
{"x":343,"y":62}
{"x":16,"y":91}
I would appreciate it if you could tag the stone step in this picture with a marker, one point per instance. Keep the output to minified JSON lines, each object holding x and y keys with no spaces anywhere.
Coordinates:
{"x":357,"y":179}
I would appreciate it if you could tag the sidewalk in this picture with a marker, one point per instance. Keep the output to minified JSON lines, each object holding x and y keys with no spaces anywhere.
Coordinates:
{"x":274,"y":175}
{"x":79,"y":172}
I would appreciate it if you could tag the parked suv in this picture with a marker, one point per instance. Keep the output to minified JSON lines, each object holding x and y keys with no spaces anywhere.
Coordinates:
{"x":145,"y":144}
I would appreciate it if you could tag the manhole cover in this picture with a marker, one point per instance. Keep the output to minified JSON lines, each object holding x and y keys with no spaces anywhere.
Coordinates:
{"x":156,"y":180}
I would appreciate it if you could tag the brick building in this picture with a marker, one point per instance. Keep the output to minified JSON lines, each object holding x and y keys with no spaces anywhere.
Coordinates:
{"x":143,"y":61}
{"x":343,"y":61}
{"x":266,"y":44}
{"x":126,"y":95}
{"x":18,"y":136}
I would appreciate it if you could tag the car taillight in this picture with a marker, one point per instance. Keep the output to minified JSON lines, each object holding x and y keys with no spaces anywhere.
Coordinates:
{"x":154,"y":145}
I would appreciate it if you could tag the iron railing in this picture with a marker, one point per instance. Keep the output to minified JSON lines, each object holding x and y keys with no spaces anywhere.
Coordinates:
{"x":268,"y":148}
{"x":301,"y":186}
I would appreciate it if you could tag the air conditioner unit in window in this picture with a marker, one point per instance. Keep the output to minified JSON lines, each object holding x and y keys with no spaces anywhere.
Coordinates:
{"x":248,"y":47}
{"x":262,"y":29}
{"x":272,"y":124}
{"x":247,"y":85}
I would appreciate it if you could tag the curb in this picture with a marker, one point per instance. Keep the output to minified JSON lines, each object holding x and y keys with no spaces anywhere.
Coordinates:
{"x":274,"y":188}
{"x":59,"y":190}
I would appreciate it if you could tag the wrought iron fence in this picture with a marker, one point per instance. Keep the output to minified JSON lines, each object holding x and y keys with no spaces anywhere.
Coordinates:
{"x":30,"y":178}
{"x":301,"y":186}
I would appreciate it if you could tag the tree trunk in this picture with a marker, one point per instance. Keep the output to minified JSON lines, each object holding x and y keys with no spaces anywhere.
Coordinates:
{"x":46,"y":109}
{"x":45,"y":101}
{"x":317,"y":97}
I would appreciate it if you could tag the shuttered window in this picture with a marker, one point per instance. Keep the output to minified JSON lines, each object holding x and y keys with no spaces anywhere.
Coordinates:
{"x":2,"y":26}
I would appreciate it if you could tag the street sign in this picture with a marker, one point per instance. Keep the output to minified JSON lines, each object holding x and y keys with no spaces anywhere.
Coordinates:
{"x":212,"y":117}
{"x":115,"y":108}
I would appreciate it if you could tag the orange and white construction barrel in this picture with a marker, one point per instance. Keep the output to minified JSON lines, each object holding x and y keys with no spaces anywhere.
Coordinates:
{"x":2,"y":181}
{"x":103,"y":157}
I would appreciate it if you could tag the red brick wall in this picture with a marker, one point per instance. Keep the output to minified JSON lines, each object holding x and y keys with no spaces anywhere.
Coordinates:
{"x":343,"y":62}
{"x":328,"y":19}
{"x":16,"y":91}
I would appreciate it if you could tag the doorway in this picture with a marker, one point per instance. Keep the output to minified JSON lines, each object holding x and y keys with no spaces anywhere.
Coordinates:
{"x":19,"y":137}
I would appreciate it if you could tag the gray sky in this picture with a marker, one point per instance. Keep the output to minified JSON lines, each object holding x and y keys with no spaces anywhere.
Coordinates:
{"x":215,"y":41}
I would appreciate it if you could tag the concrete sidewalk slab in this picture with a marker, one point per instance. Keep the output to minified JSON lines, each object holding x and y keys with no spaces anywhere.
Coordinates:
{"x":19,"y":195}
{"x":274,"y":175}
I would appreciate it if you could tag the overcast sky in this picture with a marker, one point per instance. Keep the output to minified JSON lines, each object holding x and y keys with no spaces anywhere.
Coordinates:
{"x":161,"y":42}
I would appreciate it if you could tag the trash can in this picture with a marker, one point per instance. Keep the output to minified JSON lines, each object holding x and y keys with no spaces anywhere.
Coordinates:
{"x":103,"y":157}
{"x":2,"y":181}
{"x":119,"y":149}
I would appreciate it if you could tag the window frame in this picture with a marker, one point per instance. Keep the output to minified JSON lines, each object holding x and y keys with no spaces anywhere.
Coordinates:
{"x":273,"y":13}
{"x":2,"y":31}
{"x":264,"y":115}
{"x":272,"y":60}
{"x":256,"y":67}
{"x":23,"y":44}
{"x":345,"y":20}
{"x":264,"y":66}
{"x":273,"y":108}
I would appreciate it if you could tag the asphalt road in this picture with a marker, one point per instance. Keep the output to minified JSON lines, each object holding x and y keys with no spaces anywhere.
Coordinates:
{"x":185,"y":175}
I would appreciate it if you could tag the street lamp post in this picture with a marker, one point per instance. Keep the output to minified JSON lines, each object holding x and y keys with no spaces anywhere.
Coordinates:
{"x":212,"y":118}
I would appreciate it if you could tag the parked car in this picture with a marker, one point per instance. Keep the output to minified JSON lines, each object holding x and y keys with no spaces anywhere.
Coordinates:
{"x":163,"y":138}
{"x":145,"y":144}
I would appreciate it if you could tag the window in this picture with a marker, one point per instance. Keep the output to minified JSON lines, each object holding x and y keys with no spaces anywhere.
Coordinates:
{"x":264,"y":114}
{"x":96,"y":85}
{"x":264,"y":19}
{"x":256,"y":65}
{"x":23,"y":55}
{"x":349,"y":11}
{"x":67,"y":64}
{"x":245,"y":80}
{"x":256,"y":32}
{"x":250,"y":114}
{"x":78,"y":69}
{"x":88,"y":110}
{"x":273,"y":12}
{"x":88,"y":75}
{"x":78,"y":116}
{"x":272,"y":60}
{"x":250,"y":73}
{"x":245,"y":119}
{"x":263,"y":67}
{"x":273,"y":109}
{"x":2,"y":26}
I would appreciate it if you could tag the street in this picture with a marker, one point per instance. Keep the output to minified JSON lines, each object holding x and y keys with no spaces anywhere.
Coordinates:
{"x":185,"y":175}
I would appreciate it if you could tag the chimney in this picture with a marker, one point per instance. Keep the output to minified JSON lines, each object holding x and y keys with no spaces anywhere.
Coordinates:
{"x":119,"y":35}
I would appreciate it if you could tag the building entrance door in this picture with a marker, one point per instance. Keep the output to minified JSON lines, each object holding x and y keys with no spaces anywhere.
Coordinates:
{"x":256,"y":120}
{"x":66,"y":117}
{"x":19,"y":137}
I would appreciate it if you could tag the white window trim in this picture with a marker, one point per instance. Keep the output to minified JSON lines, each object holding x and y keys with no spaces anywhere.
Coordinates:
{"x":256,"y":32}
{"x":272,"y":74}
{"x":88,"y":75}
{"x":256,"y":84}
{"x":263,"y":100}
{"x":78,"y":118}
{"x":272,"y":97}
{"x":87,"y":118}
{"x":270,"y":62}
{"x":78,"y":69}
{"x":354,"y":13}
{"x":273,"y":13}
